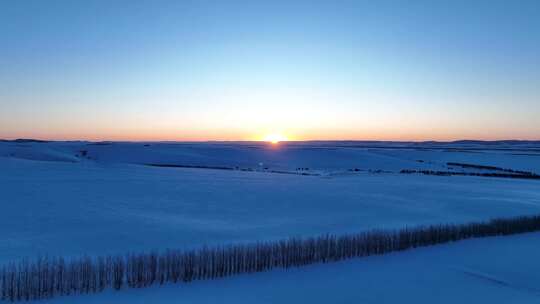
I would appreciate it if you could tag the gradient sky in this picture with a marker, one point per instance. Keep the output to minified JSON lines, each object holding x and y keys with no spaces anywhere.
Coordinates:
{"x":238,"y":70}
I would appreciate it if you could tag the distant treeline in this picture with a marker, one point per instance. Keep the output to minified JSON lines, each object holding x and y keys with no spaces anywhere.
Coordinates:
{"x":24,"y":140}
{"x":493,"y":168}
{"x":266,"y":169}
{"x":451,"y":173}
{"x":191,"y":166}
{"x":49,"y":277}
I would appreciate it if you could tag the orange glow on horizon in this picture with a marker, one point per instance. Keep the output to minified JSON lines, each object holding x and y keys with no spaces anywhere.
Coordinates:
{"x":273,"y":137}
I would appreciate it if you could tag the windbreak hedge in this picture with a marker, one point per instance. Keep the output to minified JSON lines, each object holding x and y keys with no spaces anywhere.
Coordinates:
{"x":49,"y":277}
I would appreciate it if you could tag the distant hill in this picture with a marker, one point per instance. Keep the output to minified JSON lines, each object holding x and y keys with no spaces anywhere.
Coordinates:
{"x":25,"y":140}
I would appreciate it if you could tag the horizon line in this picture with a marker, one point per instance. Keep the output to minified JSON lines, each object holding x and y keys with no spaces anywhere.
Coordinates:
{"x":264,"y":141}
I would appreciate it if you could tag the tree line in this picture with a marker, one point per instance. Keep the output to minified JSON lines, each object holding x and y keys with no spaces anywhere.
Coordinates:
{"x":47,"y":277}
{"x":482,"y":167}
{"x":452,"y":173}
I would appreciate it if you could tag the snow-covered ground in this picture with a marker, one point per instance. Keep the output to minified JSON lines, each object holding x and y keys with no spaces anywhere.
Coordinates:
{"x":74,"y":198}
{"x":490,"y":270}
{"x":319,"y":156}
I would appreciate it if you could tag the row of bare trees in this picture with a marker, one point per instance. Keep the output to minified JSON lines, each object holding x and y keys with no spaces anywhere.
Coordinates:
{"x":528,"y":175}
{"x":49,"y":277}
{"x":493,"y":168}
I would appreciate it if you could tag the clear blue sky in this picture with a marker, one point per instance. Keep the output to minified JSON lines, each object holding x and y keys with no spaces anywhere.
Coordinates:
{"x":204,"y":70}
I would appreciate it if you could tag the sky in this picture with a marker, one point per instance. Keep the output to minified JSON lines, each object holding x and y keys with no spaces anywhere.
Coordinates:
{"x":247,"y":70}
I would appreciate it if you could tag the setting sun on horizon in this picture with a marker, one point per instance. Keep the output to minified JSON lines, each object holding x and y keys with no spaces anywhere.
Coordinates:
{"x":275,"y":138}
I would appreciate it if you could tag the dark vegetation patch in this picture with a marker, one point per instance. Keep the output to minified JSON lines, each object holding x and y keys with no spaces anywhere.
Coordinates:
{"x":28,"y":140}
{"x":101,"y":143}
{"x":493,"y":168}
{"x":191,"y":166}
{"x":49,"y":277}
{"x":265,"y":169}
{"x":451,"y":173}
{"x":456,"y":150}
{"x":294,"y":173}
{"x":526,"y":154}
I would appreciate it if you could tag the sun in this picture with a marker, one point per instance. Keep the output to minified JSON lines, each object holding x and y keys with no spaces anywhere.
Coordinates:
{"x":275,"y":138}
